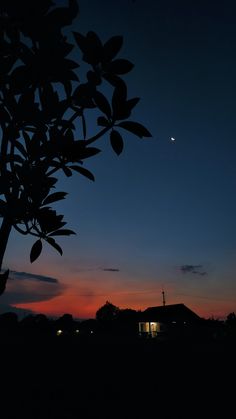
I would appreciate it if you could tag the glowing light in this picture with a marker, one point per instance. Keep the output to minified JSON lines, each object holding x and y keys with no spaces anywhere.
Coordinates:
{"x":77,"y":331}
{"x":172,"y":139}
{"x":59,"y":332}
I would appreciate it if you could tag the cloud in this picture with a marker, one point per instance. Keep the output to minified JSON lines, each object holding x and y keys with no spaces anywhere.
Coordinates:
{"x":193,"y":269}
{"x":30,"y":276}
{"x":96,"y":269}
{"x":25,"y":287}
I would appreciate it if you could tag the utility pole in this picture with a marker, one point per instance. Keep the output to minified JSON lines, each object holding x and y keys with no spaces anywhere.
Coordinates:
{"x":163,"y":298}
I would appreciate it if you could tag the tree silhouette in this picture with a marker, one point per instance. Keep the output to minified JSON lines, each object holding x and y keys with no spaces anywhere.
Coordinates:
{"x":41,"y":99}
{"x":107,"y":313}
{"x":231,"y":319}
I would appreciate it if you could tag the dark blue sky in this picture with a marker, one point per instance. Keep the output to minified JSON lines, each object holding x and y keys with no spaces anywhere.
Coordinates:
{"x":161,"y":205}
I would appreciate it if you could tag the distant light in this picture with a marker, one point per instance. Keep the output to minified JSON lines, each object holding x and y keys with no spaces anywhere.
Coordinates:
{"x":91,"y":331}
{"x":77,"y":331}
{"x":172,"y":139}
{"x":174,"y":322}
{"x":59,"y":332}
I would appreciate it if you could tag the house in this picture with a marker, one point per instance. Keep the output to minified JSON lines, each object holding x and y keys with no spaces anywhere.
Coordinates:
{"x":172,"y":319}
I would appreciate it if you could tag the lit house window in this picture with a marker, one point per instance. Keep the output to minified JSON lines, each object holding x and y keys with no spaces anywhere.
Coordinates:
{"x":150,"y":328}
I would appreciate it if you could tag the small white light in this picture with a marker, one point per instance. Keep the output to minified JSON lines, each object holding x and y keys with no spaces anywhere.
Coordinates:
{"x":172,"y":139}
{"x":91,"y":331}
{"x":59,"y":332}
{"x":77,"y":331}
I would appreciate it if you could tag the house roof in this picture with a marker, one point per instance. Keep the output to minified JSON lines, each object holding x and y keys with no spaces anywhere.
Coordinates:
{"x":169,"y":313}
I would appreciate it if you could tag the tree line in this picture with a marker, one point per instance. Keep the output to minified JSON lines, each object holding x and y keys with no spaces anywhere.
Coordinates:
{"x":109,"y":320}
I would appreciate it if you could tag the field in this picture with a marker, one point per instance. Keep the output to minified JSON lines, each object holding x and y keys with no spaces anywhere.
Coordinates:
{"x":116,"y":378}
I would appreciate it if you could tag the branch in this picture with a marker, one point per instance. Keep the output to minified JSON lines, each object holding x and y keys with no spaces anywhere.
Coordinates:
{"x":54,"y":170}
{"x":4,"y":144}
{"x":25,"y":232}
{"x":72,"y":118}
{"x":98,"y":135}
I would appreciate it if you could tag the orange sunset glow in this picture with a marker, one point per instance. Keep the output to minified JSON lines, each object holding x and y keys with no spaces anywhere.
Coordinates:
{"x":83,"y":303}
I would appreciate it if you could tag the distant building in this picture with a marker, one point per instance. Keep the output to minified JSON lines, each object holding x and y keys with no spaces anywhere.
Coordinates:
{"x":167,"y":319}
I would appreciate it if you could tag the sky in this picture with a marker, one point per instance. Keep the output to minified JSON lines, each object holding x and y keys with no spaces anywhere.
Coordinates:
{"x":161,"y":216}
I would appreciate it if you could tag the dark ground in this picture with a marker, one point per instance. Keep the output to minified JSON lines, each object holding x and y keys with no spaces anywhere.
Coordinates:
{"x":116,"y":378}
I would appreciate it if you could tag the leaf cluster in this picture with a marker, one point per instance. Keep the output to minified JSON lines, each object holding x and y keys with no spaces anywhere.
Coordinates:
{"x":38,"y":138}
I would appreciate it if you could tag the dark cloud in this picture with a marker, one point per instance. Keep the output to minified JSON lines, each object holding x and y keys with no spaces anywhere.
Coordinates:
{"x":30,"y":276}
{"x":97,"y":269}
{"x":25,"y":287}
{"x":193,"y":269}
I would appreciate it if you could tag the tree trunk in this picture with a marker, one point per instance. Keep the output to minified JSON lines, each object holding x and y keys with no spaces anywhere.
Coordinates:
{"x":4,"y":236}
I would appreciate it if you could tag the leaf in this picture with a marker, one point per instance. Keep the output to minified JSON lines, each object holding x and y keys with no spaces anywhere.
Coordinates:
{"x":69,"y":136}
{"x":36,"y":250}
{"x":93,"y":78}
{"x":102,"y":103}
{"x":4,"y":186}
{"x":102,"y":121}
{"x":3,"y":208}
{"x":49,"y":101}
{"x":62,"y":16}
{"x":124,"y":111}
{"x":62,"y":232}
{"x":120,"y":66}
{"x":7,"y":62}
{"x":66,"y":48}
{"x":94,"y":51}
{"x":83,"y":125}
{"x":21,"y":149}
{"x":27,"y":141}
{"x":91,"y":47}
{"x":69,"y":74}
{"x":20,"y":79}
{"x":26,"y":55}
{"x":113,"y":79}
{"x":70,"y":64}
{"x":81,"y":41}
{"x":67,"y":171}
{"x":119,"y":100}
{"x":83,"y":95}
{"x":131,"y":103}
{"x":56,"y":196}
{"x":116,"y":142}
{"x":82,"y":152}
{"x":135,"y":128}
{"x":34,"y":146}
{"x":68,"y":87}
{"x":53,"y":243}
{"x":112,"y":47}
{"x":83,"y":172}
{"x":49,"y":220}
{"x":4,"y":115}
{"x":27,"y":137}
{"x":14,"y":158}
{"x":50,"y":181}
